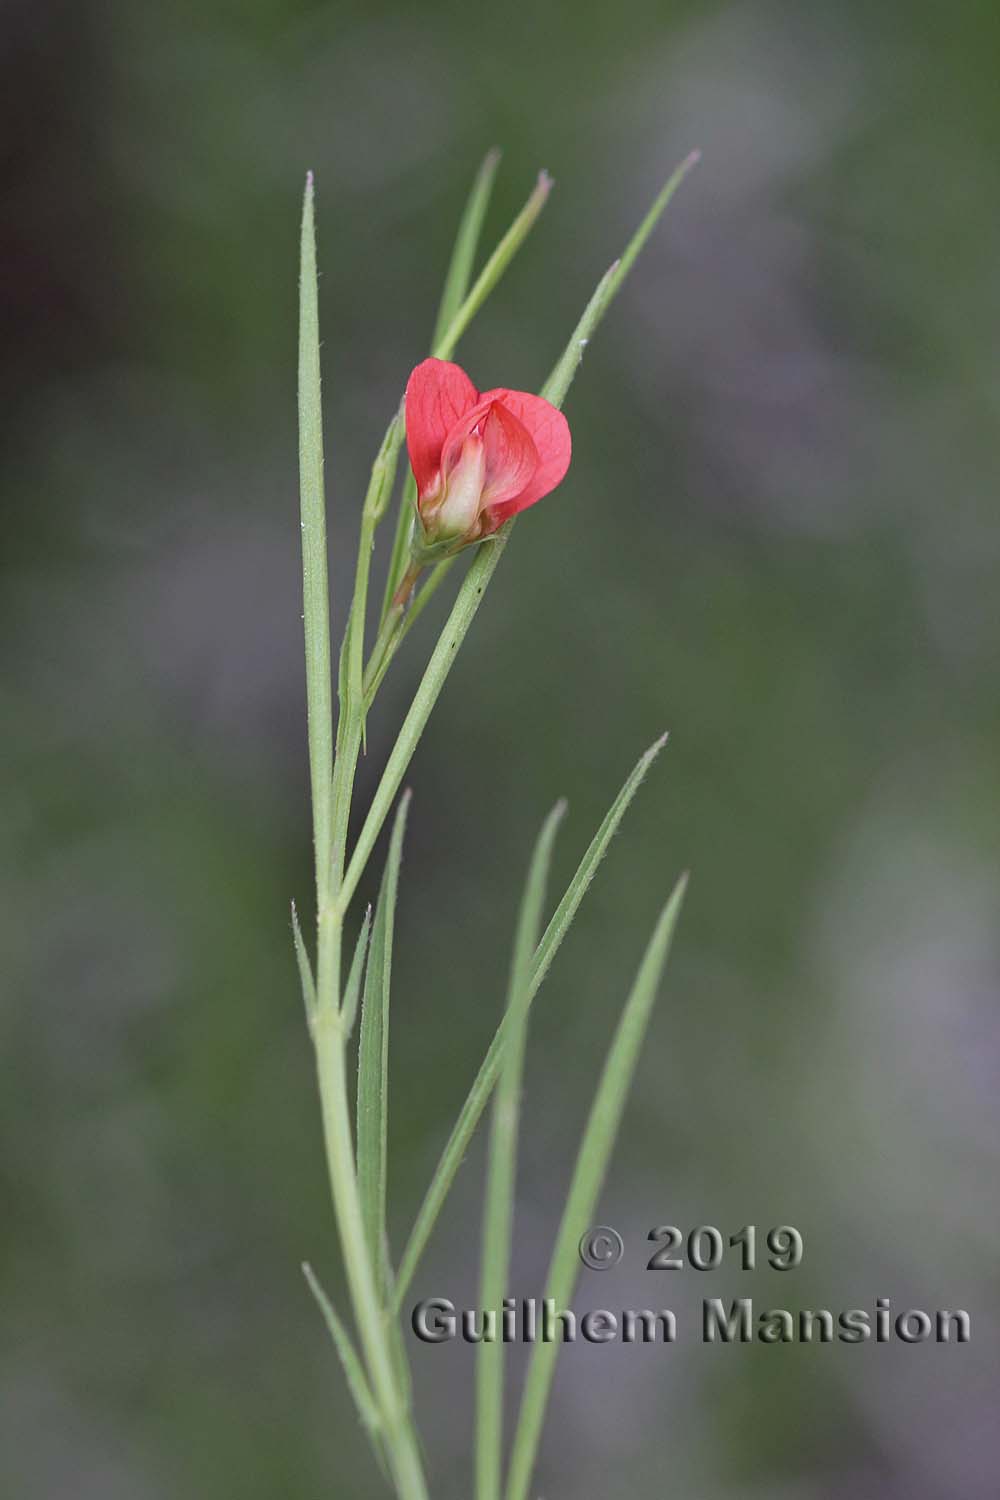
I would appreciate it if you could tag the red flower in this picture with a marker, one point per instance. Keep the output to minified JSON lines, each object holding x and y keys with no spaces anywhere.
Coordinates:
{"x":478,"y":459}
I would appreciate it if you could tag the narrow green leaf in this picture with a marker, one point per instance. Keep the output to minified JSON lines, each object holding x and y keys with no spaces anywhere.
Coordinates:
{"x":501,"y":1171}
{"x":655,"y":213}
{"x":353,"y":991}
{"x":306,"y":979}
{"x":456,"y":286}
{"x":494,"y":268}
{"x":472,"y":1109}
{"x":382,"y":479}
{"x":610,"y":284}
{"x":353,"y":1370}
{"x":562,"y":917}
{"x":561,"y":378}
{"x":588,"y":1177}
{"x":315,"y":586}
{"x":463,"y":255}
{"x":373,"y":1057}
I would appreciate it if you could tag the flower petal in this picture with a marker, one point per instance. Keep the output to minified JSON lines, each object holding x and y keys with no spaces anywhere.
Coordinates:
{"x":512,"y":458}
{"x":510,"y":453}
{"x":549,"y":431}
{"x":437,"y":395}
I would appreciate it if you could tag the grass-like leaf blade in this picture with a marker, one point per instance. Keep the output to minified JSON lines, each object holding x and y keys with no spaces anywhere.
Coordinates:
{"x":489,"y":276}
{"x":588,"y":1177}
{"x":352,"y":991}
{"x":501,"y":1170}
{"x":315,"y":585}
{"x":463,"y":255}
{"x":472,"y":1109}
{"x":610,"y":284}
{"x":373,"y":1057}
{"x":353,"y":1370}
{"x":306,"y":979}
{"x":562,"y":917}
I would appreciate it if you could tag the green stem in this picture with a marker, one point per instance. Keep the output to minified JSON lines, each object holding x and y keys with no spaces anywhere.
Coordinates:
{"x":400,"y":545}
{"x":397,"y":627}
{"x":402,"y":1448}
{"x":383,"y":651}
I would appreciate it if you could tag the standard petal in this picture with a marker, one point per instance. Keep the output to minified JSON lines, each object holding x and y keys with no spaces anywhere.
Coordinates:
{"x":549,"y":431}
{"x":437,"y":396}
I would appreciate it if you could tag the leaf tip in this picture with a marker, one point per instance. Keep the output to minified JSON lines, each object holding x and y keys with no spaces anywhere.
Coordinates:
{"x":307,"y":210}
{"x":656,"y":747}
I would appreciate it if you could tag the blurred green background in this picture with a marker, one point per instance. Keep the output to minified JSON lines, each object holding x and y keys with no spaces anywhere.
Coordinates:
{"x":779,"y":539}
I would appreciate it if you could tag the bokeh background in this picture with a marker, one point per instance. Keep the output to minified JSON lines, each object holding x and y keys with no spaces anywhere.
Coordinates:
{"x":779,"y":539}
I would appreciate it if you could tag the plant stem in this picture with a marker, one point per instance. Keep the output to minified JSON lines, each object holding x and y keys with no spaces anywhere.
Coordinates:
{"x":402,"y":1450}
{"x":383,"y":651}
